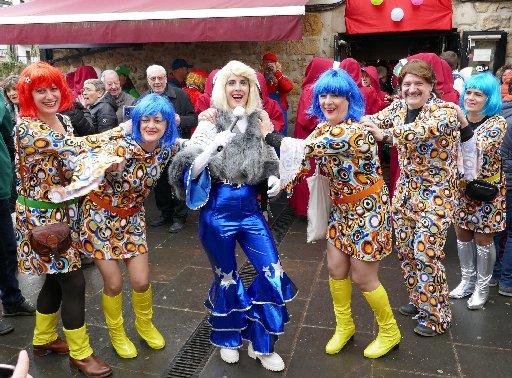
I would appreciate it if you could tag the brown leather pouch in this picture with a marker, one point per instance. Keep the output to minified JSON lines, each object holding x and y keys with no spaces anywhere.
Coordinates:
{"x":50,"y":240}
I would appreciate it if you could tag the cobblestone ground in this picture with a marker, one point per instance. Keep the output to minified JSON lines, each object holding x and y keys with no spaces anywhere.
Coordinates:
{"x":479,"y":344}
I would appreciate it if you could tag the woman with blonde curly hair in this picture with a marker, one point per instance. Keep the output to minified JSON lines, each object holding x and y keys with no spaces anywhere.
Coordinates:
{"x":219,"y":172}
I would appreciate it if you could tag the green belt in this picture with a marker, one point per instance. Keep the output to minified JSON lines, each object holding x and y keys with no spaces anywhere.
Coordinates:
{"x":36,"y":204}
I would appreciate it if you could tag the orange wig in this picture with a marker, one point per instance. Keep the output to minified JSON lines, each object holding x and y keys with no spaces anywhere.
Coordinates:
{"x":41,"y":75}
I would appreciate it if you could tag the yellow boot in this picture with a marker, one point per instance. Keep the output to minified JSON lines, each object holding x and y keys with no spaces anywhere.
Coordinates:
{"x":81,"y":355}
{"x":46,"y":339}
{"x":113,"y":310}
{"x":341,"y":292}
{"x":143,"y":308}
{"x":389,"y":335}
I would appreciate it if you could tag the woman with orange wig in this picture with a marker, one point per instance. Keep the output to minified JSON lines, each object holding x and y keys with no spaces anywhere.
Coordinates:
{"x":44,"y":139}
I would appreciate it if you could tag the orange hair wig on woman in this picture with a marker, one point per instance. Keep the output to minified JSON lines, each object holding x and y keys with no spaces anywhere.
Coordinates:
{"x":41,"y":75}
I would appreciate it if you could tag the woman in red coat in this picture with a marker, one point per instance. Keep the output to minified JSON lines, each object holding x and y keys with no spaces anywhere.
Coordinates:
{"x":305,"y":124}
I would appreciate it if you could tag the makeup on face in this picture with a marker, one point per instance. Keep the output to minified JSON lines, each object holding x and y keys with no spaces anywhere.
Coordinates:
{"x":474,"y":100}
{"x":237,"y":91}
{"x":152,"y":129}
{"x":334,"y":107}
{"x":47,"y":99}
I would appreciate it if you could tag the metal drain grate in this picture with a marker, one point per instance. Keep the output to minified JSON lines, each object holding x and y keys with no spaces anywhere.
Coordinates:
{"x":192,"y":357}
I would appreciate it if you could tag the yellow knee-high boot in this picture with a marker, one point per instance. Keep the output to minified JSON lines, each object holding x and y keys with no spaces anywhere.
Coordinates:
{"x":143,"y":308}
{"x":46,"y":339}
{"x":78,"y":341}
{"x":389,"y":334}
{"x":113,"y":310}
{"x":81,"y":355}
{"x":341,"y":292}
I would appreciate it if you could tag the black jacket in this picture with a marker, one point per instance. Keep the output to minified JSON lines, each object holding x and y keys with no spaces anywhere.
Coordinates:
{"x":506,"y":147}
{"x":81,"y":119}
{"x":103,"y":113}
{"x":183,"y":107}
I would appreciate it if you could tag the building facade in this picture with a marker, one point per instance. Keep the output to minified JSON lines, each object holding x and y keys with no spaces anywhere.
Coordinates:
{"x":322,"y":24}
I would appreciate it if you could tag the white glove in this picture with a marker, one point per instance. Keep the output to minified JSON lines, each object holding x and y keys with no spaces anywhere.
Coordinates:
{"x":202,"y":160}
{"x":221,"y":139}
{"x":274,"y":186}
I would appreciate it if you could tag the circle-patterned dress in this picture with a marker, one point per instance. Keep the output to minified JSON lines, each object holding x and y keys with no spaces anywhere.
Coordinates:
{"x":486,"y":217}
{"x":347,"y":155}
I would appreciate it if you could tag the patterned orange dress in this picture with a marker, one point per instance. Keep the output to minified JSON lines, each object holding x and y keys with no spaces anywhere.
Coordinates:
{"x":107,"y":234}
{"x":347,"y":155}
{"x":486,"y":217}
{"x":37,"y":143}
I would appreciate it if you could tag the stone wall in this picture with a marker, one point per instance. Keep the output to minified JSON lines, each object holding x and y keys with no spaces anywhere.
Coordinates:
{"x":484,"y":15}
{"x":318,"y":40}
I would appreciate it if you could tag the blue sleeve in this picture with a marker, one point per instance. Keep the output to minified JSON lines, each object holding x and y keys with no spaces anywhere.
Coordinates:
{"x":197,"y":191}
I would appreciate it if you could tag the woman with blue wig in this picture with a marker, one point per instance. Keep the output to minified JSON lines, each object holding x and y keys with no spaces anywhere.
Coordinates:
{"x":359,"y":226}
{"x":477,"y":222}
{"x":113,"y":214}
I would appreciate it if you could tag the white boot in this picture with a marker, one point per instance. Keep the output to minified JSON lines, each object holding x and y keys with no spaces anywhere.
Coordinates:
{"x":467,"y":259}
{"x":485,"y":259}
{"x":272,"y":362}
{"x":230,"y":356}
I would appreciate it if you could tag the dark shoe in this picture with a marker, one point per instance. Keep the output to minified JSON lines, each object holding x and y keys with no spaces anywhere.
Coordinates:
{"x":177,"y":226}
{"x":408,"y":310}
{"x":422,"y":330}
{"x":5,"y":327}
{"x":24,"y":308}
{"x":91,"y":366}
{"x":506,"y":291}
{"x":160,"y":221}
{"x":58,"y":346}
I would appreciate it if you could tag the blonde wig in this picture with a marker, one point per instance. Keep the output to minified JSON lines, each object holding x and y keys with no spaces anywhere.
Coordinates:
{"x":219,"y":99}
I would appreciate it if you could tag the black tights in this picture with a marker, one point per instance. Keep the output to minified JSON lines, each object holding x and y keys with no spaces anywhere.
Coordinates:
{"x":66,"y":290}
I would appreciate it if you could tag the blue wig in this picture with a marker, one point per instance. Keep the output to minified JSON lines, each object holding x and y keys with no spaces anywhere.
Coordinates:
{"x":151,"y":105}
{"x":488,"y":84}
{"x":338,"y":82}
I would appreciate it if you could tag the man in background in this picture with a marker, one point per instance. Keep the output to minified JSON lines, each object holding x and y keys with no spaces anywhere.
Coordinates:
{"x":172,"y":210}
{"x":179,"y":71}
{"x":112,"y":85}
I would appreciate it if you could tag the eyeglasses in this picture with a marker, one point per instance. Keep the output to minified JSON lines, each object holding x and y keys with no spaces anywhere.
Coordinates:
{"x":155,"y":78}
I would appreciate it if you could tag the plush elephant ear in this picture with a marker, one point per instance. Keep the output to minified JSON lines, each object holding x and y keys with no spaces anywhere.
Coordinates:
{"x":197,"y":191}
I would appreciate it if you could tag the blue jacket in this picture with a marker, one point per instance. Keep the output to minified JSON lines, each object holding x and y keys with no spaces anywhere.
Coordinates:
{"x":506,"y":147}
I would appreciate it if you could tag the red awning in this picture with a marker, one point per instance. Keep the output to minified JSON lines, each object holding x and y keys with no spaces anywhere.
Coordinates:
{"x":141,"y":21}
{"x":362,"y":17}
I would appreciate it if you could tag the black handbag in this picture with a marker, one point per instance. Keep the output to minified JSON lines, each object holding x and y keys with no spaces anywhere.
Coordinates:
{"x":482,"y":190}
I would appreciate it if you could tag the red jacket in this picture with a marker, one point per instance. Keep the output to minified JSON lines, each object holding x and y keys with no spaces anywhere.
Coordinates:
{"x":306,"y":123}
{"x":269,"y":105}
{"x":282,"y":85}
{"x":444,"y":76}
{"x":370,"y":96}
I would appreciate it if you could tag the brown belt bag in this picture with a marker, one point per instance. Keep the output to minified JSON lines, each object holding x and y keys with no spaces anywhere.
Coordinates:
{"x":50,"y":240}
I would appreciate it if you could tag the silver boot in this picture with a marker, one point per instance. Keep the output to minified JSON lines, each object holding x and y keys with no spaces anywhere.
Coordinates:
{"x":467,"y":259}
{"x":485,"y":259}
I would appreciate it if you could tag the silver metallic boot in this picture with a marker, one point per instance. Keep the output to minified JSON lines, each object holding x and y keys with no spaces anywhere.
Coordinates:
{"x":485,"y":259}
{"x":467,"y":259}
